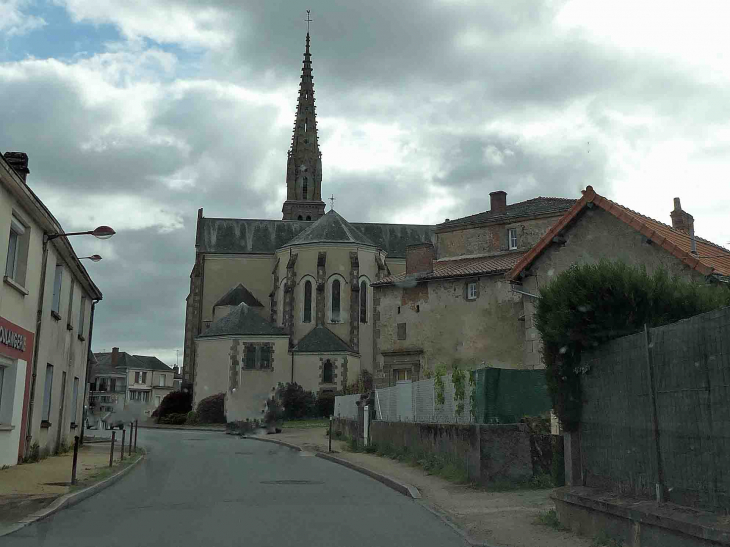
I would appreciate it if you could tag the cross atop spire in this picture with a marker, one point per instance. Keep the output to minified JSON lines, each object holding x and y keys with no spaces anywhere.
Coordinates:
{"x":308,"y":20}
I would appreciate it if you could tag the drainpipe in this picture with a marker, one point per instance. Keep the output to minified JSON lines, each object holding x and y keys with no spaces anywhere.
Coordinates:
{"x":88,"y":370}
{"x":36,"y":344}
{"x":292,"y":367}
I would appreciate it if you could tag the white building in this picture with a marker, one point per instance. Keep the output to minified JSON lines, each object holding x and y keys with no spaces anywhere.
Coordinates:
{"x":46,"y":314}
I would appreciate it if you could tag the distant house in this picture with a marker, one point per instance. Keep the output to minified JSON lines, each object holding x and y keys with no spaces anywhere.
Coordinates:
{"x":133,"y":383}
{"x":597,"y":228}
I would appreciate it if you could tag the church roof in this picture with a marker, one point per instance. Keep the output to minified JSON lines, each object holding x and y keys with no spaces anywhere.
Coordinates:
{"x":331,"y":228}
{"x":251,"y":236}
{"x":243,"y":319}
{"x":237,"y":295}
{"x":322,"y":340}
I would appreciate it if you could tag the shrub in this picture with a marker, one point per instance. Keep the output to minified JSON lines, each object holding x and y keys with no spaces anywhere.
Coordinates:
{"x":174,"y":419}
{"x":241,"y":427}
{"x":588,"y":305}
{"x":192,"y":418}
{"x":274,"y":411}
{"x":362,"y":384}
{"x":211,"y":411}
{"x":325,"y":405}
{"x":297,"y":403}
{"x":175,"y":402}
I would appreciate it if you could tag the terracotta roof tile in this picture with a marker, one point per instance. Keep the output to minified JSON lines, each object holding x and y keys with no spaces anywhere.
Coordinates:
{"x":711,"y":258}
{"x":459,"y":267}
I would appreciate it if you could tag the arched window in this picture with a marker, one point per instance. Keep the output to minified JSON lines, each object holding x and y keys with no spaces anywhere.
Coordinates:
{"x":300,"y":217}
{"x":328,"y":372}
{"x":308,"y":302}
{"x":304,"y":187}
{"x":335,"y":315}
{"x":306,"y":121}
{"x":309,"y":217}
{"x":363,"y":302}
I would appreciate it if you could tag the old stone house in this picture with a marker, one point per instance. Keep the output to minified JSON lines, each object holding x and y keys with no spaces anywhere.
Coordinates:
{"x":299,"y":286}
{"x":597,"y":228}
{"x":452,"y":304}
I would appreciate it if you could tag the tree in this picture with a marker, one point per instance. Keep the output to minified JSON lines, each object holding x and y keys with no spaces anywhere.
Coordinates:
{"x":587,"y":305}
{"x":297,"y":403}
{"x":211,"y":410}
{"x":175,"y":402}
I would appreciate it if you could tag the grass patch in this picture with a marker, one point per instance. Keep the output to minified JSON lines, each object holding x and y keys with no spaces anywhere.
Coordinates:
{"x":550,"y":519}
{"x":604,"y":540}
{"x":306,"y":424}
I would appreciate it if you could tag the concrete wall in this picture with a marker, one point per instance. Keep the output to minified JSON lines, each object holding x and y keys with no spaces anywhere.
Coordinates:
{"x":446,"y":327}
{"x":220,"y":371}
{"x":492,"y":238}
{"x":489,"y":453}
{"x":595,"y":236}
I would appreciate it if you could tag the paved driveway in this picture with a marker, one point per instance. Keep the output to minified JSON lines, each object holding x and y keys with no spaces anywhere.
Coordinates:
{"x":209,"y":489}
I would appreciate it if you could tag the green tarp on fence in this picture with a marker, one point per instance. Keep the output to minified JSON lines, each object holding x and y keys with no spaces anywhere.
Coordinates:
{"x":504,"y":396}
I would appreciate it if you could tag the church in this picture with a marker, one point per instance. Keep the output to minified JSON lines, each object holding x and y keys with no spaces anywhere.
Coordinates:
{"x":288,"y":300}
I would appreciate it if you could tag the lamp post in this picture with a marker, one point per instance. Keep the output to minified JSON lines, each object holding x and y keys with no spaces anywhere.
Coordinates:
{"x":93,"y":258}
{"x":101,"y":232}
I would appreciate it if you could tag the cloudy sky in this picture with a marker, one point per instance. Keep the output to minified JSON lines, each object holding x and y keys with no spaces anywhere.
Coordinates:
{"x":135,"y":113}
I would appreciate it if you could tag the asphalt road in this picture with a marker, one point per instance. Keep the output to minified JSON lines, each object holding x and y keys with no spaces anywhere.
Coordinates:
{"x":209,"y":489}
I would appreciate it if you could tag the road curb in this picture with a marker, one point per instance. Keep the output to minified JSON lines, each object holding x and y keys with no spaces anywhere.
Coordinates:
{"x":72,"y":498}
{"x":451,"y":524}
{"x":183,"y":428}
{"x":275,"y":441}
{"x":401,"y":487}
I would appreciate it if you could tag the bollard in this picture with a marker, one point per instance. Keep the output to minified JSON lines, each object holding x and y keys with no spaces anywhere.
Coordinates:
{"x":136,"y":430}
{"x":76,"y":456}
{"x":111,"y":451}
{"x":124,"y":434}
{"x":131,"y":429}
{"x":330,"y":447}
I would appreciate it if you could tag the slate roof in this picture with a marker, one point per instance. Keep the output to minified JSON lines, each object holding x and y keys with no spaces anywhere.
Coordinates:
{"x":535,"y":207}
{"x":458,"y":267}
{"x":250,"y":236}
{"x":331,"y":228}
{"x":237,"y":295}
{"x":322,"y":340}
{"x":710,"y":259}
{"x":128,"y":361}
{"x":242,"y":320}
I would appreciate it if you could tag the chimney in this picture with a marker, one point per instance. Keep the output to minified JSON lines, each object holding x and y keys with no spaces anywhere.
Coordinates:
{"x":498,"y":201}
{"x":419,"y":258}
{"x":683,"y":221}
{"x":19,"y":162}
{"x":115,"y":356}
{"x":176,"y":370}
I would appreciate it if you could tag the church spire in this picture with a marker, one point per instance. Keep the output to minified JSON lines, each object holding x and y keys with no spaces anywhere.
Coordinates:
{"x":304,"y":163}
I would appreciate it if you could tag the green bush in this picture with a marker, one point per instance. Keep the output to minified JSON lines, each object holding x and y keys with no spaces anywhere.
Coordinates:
{"x":174,"y":419}
{"x":325,"y":405}
{"x":363,"y":384}
{"x":588,"y":305}
{"x":192,"y":418}
{"x":175,"y":402}
{"x":297,"y":403}
{"x":211,"y":409}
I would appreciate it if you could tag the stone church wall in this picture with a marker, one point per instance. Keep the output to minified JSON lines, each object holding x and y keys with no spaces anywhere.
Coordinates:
{"x":492,"y":238}
{"x":308,"y":370}
{"x":448,"y":328}
{"x":223,"y":272}
{"x":598,"y":235}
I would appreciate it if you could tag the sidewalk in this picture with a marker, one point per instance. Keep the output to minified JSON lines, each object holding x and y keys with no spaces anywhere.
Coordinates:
{"x":31,"y":487}
{"x":499,"y":519}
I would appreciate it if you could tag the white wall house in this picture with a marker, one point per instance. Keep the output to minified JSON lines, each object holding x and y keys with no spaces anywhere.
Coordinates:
{"x":45,"y":322}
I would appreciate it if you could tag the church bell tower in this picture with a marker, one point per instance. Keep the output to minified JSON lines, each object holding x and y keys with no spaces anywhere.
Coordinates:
{"x":304,"y":161}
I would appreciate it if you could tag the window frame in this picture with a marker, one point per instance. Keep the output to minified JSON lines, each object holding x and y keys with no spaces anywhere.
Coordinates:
{"x":21,"y":231}
{"x":510,"y":233}
{"x":47,"y":394}
{"x":336,"y":315}
{"x":161,"y":381}
{"x":325,"y":370}
{"x":363,"y":301}
{"x":82,"y":316}
{"x":75,"y":400}
{"x":57,"y":285}
{"x":404,"y":328}
{"x":307,"y":302}
{"x":472,"y":295}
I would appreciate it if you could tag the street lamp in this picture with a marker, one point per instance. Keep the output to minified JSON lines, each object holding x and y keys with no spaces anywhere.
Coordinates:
{"x":93,"y":258}
{"x":101,"y":232}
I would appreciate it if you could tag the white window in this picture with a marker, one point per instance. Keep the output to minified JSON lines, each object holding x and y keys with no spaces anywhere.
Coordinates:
{"x":74,"y":401}
{"x":162,"y":380}
{"x":158,"y":400}
{"x":17,"y":251}
{"x":471,"y":291}
{"x":144,"y":377}
{"x":47,"y":392}
{"x":136,"y":377}
{"x":146,"y":396}
{"x":56,"y":305}
{"x":512,"y":235}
